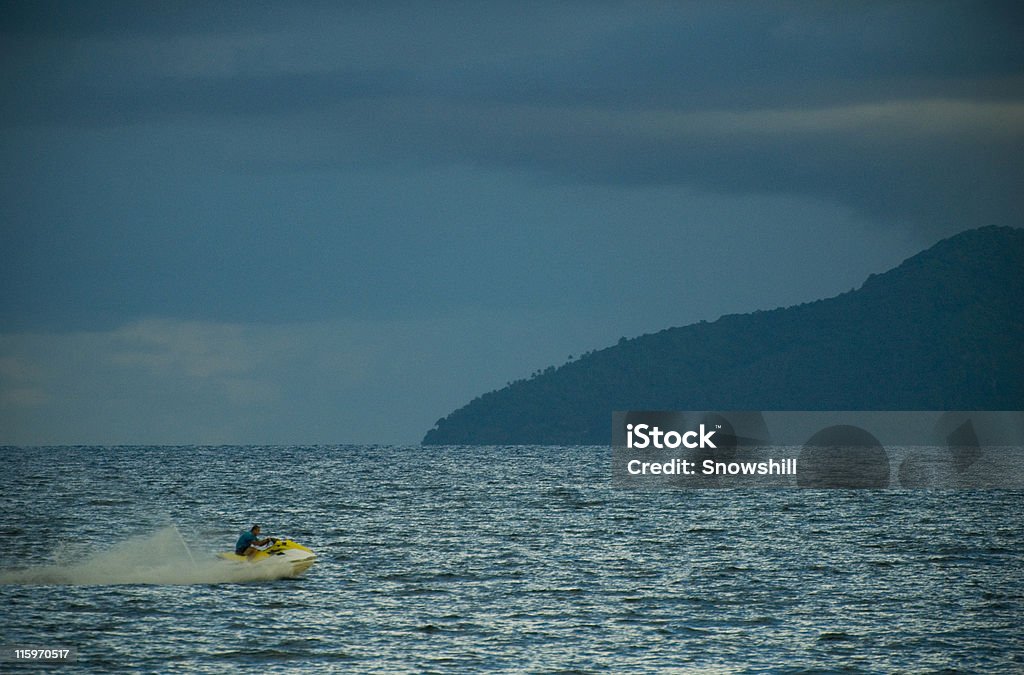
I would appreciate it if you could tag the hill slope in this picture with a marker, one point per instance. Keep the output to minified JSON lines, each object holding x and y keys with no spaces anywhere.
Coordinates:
{"x":943,"y":331}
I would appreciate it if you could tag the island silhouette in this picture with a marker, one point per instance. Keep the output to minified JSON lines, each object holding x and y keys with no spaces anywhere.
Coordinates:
{"x":942,"y":331}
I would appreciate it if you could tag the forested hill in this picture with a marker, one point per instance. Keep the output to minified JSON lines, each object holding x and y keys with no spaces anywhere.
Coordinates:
{"x":943,"y":331}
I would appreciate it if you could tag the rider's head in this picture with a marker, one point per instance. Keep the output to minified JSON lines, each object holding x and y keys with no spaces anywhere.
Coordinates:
{"x":255,"y":529}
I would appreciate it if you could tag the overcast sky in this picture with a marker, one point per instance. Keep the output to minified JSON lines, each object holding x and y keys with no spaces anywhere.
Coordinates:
{"x":336,"y":222}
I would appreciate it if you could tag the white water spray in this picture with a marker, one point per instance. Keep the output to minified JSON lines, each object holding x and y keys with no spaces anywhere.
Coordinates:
{"x":185,"y":545}
{"x":162,"y":558}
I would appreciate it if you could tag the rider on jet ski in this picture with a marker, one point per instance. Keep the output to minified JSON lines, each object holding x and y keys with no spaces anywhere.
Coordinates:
{"x":248,"y":541}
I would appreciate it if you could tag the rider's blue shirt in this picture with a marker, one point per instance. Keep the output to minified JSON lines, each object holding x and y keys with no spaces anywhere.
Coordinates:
{"x":244,"y":542}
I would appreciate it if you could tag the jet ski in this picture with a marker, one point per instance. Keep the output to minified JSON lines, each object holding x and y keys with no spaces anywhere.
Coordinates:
{"x":292,"y":556}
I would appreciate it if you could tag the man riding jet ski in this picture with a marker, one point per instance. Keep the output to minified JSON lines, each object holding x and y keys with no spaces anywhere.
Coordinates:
{"x":249,"y":541}
{"x":281,"y":551}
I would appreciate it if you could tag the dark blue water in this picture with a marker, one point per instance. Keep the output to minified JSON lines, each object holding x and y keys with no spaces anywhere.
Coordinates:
{"x":509,"y":559}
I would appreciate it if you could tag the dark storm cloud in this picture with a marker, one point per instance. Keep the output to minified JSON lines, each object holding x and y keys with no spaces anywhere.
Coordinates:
{"x":133,"y":132}
{"x":760,"y":55}
{"x":172,"y":99}
{"x":598,"y":108}
{"x":118,"y":18}
{"x":696,"y":56}
{"x":922,"y":151}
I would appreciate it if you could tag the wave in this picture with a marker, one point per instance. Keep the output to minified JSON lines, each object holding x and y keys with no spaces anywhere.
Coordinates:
{"x":160,"y":558}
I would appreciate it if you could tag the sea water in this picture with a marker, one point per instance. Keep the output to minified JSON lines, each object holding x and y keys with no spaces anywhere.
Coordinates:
{"x":499,"y":558}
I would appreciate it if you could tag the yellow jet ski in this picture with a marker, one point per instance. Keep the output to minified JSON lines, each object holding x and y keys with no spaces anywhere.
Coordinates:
{"x":282,"y":552}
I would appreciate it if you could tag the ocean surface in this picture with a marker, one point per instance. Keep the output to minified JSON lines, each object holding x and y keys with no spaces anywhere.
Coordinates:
{"x":515,"y":559}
